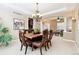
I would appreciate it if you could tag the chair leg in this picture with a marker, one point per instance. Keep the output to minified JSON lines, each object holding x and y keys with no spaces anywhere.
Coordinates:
{"x":45,"y":48}
{"x":47,"y":45}
{"x":26,"y":49}
{"x":50,"y":43}
{"x":32,"y":48}
{"x":41,"y":51}
{"x":21,"y":47}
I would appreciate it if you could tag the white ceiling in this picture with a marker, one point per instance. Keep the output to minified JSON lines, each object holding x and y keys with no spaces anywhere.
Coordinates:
{"x":44,"y":8}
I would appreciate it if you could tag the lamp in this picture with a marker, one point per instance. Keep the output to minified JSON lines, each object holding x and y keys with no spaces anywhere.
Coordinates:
{"x":58,"y":19}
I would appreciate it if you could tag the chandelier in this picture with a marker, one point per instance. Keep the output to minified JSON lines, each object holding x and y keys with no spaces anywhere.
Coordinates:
{"x":37,"y":15}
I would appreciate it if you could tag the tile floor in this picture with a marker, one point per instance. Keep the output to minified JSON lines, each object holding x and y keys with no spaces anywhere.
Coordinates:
{"x":59,"y":47}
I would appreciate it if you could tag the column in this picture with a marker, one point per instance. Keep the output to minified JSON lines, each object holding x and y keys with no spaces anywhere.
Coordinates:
{"x":65,"y":24}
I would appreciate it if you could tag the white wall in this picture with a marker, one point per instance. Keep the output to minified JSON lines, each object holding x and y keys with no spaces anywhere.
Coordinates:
{"x":77,"y":28}
{"x":7,"y":15}
{"x":77,"y":36}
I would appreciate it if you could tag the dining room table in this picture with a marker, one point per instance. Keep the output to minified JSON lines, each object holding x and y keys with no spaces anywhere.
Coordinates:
{"x":31,"y":37}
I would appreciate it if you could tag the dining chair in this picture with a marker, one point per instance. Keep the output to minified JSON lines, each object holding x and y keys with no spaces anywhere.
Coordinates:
{"x":45,"y":34}
{"x":23,"y":40}
{"x":41,"y":43}
{"x":61,"y":33}
{"x":50,"y":37}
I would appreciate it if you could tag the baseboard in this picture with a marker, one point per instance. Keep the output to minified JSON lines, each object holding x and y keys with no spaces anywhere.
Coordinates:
{"x":69,"y":40}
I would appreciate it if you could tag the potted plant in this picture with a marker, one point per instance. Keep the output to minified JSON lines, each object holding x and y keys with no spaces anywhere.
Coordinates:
{"x":5,"y":37}
{"x":37,"y":28}
{"x":36,"y":31}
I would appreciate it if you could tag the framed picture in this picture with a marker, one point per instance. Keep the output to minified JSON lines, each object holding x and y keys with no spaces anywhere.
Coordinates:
{"x":18,"y":24}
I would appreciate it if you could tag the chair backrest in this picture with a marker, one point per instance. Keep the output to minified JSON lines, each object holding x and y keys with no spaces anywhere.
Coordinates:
{"x":21,"y":37}
{"x":45,"y":32}
{"x":45,"y":35}
{"x":61,"y":32}
{"x":50,"y":34}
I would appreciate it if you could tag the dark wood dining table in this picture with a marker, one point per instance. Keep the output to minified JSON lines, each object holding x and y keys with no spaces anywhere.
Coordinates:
{"x":33,"y":37}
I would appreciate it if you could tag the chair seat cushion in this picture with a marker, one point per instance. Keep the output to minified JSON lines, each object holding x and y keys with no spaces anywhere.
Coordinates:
{"x":36,"y":44}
